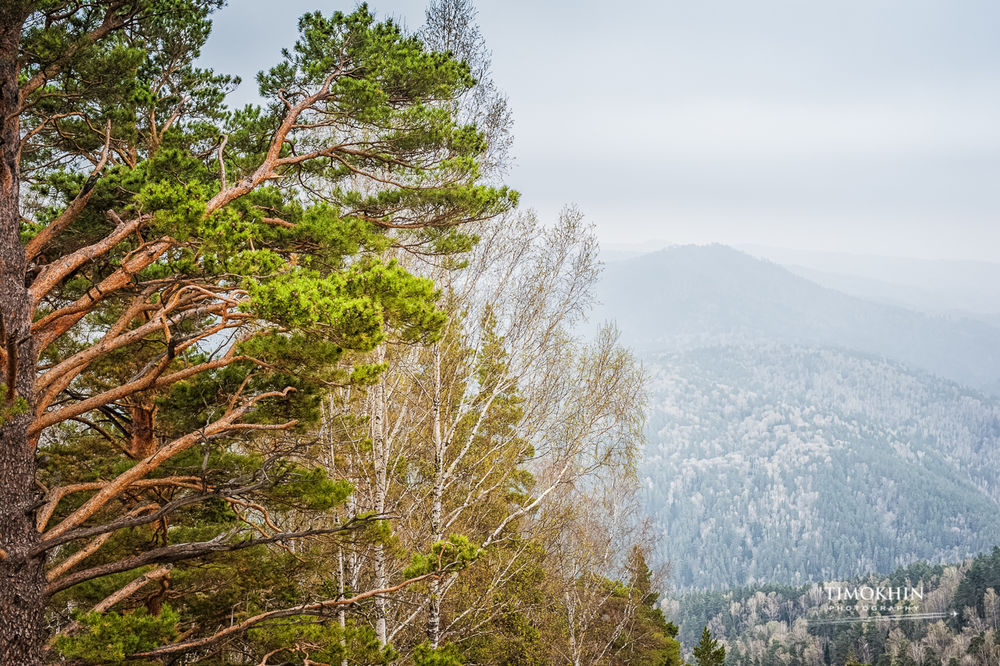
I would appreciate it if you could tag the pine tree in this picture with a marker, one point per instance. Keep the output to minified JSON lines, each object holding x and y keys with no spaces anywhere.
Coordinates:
{"x":708,"y":652}
{"x":653,"y":640}
{"x":180,"y":283}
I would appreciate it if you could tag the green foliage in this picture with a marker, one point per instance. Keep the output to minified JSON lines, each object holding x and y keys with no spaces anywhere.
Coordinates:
{"x":11,"y":408}
{"x":304,"y":640}
{"x":452,"y":554}
{"x":981,"y":576}
{"x":653,"y":640}
{"x":445,"y":655}
{"x":520,"y":634}
{"x":108,"y":638}
{"x":357,"y":303}
{"x":708,"y":652}
{"x":309,"y":489}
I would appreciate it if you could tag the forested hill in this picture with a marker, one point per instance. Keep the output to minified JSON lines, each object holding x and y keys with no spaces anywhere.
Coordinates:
{"x":776,"y":463}
{"x":690,"y":296}
{"x":797,"y":433}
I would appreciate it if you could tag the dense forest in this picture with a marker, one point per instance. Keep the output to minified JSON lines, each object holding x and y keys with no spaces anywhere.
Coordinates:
{"x":777,"y":463}
{"x":956,"y":622}
{"x":294,"y":383}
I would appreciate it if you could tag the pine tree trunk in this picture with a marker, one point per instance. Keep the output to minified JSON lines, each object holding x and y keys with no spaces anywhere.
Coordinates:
{"x":22,"y":576}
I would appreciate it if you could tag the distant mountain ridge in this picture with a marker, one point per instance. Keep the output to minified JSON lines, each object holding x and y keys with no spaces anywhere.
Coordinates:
{"x":926,"y":285}
{"x":690,"y":296}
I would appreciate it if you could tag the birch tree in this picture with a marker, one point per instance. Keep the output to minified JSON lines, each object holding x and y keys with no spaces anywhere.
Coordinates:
{"x":497,"y":415}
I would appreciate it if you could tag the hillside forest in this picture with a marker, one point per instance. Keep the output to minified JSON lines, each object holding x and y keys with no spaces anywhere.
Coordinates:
{"x":957,"y":620}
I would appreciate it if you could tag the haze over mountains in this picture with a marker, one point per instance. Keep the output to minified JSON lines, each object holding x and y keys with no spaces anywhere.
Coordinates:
{"x":800,"y":433}
{"x":965,"y":287}
{"x":695,"y":296}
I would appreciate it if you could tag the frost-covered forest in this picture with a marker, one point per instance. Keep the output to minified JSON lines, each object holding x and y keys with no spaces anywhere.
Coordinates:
{"x":799,"y":434}
{"x":777,"y":463}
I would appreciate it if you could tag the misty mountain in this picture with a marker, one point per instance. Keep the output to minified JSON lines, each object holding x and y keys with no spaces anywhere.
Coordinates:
{"x":797,"y":433}
{"x":692,"y":296}
{"x":928,"y":285}
{"x":921,"y":299}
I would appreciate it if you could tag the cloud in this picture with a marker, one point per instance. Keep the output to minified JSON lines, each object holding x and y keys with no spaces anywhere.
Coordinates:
{"x":861,"y":122}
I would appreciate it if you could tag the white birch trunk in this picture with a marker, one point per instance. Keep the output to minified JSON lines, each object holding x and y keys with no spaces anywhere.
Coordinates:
{"x":434,"y":609}
{"x":381,"y":463}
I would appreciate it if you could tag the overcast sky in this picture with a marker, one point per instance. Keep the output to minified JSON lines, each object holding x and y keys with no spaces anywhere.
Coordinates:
{"x":866,"y":126}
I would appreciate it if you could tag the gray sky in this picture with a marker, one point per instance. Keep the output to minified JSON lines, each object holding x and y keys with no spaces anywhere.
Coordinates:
{"x":867,"y":126}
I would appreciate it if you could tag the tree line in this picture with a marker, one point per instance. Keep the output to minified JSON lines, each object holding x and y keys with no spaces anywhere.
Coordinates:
{"x":955,"y":621}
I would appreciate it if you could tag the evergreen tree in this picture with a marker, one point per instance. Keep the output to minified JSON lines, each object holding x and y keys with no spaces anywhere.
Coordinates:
{"x":180,"y":283}
{"x":654,"y":640}
{"x":708,"y":652}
